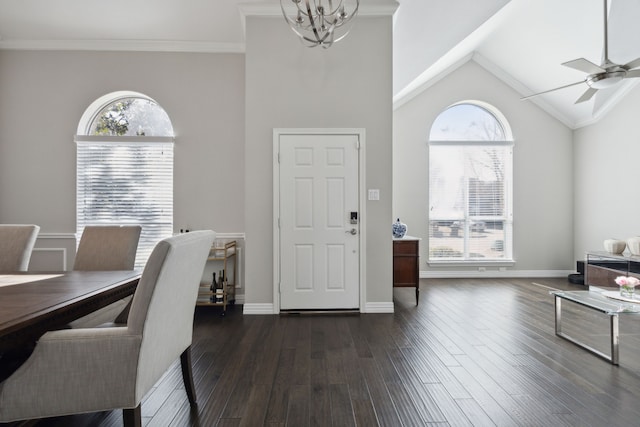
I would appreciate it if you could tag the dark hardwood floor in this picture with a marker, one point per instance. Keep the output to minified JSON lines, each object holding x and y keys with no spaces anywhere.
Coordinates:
{"x":474,"y":352}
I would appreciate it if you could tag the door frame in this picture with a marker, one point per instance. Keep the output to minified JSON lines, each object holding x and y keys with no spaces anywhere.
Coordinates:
{"x":362,"y":204}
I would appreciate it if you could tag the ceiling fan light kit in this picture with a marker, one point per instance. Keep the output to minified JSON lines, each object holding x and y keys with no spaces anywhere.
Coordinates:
{"x":605,"y":80}
{"x":320,"y":22}
{"x":602,"y":76}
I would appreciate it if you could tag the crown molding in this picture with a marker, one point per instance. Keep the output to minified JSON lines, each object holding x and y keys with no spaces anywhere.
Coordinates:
{"x":273,"y":9}
{"x":442,"y":69}
{"x":427,"y":79}
{"x":124,"y":45}
{"x":521,"y":89}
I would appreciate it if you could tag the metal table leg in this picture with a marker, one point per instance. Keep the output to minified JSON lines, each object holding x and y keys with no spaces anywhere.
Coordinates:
{"x":614,"y":330}
{"x":558,"y":306}
{"x":615,"y":338}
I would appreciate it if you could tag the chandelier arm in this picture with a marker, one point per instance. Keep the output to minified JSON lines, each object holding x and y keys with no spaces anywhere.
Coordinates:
{"x":293,"y":24}
{"x":322,"y":27}
{"x":312,"y":22}
{"x":306,"y":38}
{"x":305,"y":10}
{"x":333,"y":11}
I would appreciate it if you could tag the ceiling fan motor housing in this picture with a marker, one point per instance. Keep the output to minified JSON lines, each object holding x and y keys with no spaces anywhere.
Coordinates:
{"x":607,"y":79}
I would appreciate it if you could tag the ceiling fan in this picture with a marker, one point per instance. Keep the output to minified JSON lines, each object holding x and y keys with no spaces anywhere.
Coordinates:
{"x":603,"y":76}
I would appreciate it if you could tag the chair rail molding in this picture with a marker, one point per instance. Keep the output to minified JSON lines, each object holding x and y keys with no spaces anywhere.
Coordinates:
{"x":57,"y":236}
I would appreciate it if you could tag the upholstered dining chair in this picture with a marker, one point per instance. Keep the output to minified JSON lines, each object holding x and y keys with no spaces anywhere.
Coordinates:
{"x":106,"y":247}
{"x":96,"y":369}
{"x":16,"y":245}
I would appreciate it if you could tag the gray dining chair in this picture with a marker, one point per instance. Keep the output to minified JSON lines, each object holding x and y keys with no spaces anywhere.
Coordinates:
{"x":16,"y":246}
{"x":106,"y":247}
{"x":113,"y":367}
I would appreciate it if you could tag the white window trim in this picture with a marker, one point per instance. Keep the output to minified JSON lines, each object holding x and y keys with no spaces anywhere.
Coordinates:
{"x":507,"y":142}
{"x":135,"y":139}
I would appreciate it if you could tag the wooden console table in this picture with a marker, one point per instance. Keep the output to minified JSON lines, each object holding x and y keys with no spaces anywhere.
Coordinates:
{"x":406,"y":263}
{"x":602,"y":268}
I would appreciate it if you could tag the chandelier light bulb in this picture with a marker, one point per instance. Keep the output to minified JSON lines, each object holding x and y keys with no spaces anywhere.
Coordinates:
{"x":320,"y":22}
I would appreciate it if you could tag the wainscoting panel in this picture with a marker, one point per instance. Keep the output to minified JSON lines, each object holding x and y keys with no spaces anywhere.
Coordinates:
{"x":53,"y":252}
{"x":48,"y":259}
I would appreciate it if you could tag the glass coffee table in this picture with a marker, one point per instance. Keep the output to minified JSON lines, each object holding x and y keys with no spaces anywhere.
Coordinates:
{"x":607,"y":302}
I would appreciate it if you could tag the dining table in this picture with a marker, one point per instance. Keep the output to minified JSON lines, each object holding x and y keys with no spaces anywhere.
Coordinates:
{"x":34,"y":303}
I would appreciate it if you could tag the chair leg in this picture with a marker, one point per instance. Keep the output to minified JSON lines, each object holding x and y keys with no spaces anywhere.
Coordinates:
{"x":187,"y":375}
{"x":122,"y":318}
{"x":132,"y":417}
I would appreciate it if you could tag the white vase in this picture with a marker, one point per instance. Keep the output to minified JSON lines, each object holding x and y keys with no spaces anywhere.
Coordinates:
{"x":633,"y":243}
{"x":615,"y":246}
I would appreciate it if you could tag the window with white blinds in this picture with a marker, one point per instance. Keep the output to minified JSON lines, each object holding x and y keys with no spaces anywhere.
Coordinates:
{"x":470,"y":184}
{"x":124,"y":175}
{"x":126,"y":183}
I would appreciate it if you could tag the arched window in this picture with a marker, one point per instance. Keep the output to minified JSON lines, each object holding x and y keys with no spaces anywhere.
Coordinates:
{"x":470,"y":185}
{"x":124,"y":167}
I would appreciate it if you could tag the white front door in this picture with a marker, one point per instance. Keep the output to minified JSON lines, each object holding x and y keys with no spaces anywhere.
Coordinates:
{"x":319,"y":244}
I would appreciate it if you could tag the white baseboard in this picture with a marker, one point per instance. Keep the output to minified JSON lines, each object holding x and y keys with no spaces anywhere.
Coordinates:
{"x":254,"y":308}
{"x":371,"y":307}
{"x":379,"y":307}
{"x":490,"y":274}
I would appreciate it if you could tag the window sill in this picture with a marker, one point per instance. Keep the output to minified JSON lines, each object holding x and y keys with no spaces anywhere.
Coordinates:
{"x":459,"y":263}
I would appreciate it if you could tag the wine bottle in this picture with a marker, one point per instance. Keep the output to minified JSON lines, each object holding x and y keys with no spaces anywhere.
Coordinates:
{"x":219,"y":289}
{"x":214,"y":284}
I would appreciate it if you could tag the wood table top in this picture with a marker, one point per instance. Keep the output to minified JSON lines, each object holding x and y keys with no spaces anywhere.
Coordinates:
{"x":50,"y":299}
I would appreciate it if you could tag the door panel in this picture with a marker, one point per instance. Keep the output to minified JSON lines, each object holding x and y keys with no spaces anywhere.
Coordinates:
{"x":319,"y":260}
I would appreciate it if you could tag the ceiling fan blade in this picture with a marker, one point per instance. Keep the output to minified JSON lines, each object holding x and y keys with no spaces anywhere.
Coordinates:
{"x":551,"y":90}
{"x":632,"y":74}
{"x":603,"y":98}
{"x":587,"y":95}
{"x":633,"y":64}
{"x":582,"y":64}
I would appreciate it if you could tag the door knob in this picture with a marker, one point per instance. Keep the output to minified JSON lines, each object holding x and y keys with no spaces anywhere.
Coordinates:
{"x":353,"y":231}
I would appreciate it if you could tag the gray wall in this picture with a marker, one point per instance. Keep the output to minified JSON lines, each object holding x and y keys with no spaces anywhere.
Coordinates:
{"x":291,"y":86}
{"x":607,"y":176}
{"x":44,"y":94}
{"x":543,"y":178}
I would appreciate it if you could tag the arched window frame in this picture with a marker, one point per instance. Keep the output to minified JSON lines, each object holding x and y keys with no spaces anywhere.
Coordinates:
{"x":124,"y":180}
{"x":472,"y":234}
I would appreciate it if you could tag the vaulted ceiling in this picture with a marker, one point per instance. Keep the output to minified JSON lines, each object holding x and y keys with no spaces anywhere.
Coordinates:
{"x":523,"y":42}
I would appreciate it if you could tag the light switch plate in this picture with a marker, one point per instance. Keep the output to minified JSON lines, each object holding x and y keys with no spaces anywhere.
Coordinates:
{"x":374,"y":194}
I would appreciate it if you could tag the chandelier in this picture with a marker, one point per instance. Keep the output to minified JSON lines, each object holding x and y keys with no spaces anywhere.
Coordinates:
{"x":319,"y":22}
